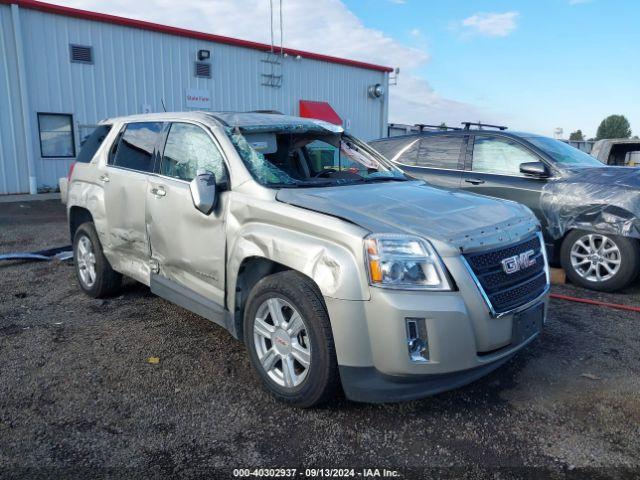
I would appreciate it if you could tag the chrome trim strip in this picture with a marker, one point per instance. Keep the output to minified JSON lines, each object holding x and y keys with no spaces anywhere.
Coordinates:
{"x":521,"y":308}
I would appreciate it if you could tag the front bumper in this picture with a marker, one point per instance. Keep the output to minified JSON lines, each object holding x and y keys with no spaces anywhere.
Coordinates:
{"x":366,"y":384}
{"x":465,"y":342}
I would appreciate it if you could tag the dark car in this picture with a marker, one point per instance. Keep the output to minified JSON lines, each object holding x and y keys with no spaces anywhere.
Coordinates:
{"x":589,"y":212}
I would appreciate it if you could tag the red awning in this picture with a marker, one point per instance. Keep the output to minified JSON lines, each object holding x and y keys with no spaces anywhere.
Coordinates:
{"x":319,"y":111}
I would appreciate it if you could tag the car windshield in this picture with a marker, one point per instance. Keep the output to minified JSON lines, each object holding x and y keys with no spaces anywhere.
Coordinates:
{"x":564,"y":154}
{"x":284,"y":159}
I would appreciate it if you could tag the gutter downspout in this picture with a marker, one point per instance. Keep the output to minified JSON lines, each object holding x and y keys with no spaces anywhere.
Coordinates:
{"x":384,"y":128}
{"x":24,"y":98}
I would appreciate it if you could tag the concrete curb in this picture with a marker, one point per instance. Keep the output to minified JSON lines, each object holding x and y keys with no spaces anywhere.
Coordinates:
{"x":29,"y":198}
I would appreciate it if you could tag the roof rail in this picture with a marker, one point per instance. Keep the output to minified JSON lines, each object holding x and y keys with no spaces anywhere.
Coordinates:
{"x":421,"y":126}
{"x":275,"y":112}
{"x":468,"y":125}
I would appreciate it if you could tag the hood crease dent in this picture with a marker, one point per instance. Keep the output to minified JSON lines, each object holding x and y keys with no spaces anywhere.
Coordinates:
{"x":601,"y":199}
{"x":463,"y":220}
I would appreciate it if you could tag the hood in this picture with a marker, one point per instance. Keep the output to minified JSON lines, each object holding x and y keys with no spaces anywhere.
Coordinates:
{"x":625,"y":177}
{"x":462,"y":220}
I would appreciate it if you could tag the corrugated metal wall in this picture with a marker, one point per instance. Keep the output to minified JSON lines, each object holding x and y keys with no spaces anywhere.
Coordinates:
{"x":133,"y":68}
{"x":14,"y":176}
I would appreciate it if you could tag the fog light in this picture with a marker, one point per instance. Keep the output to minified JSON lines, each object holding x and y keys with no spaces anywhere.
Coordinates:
{"x":417,"y":341}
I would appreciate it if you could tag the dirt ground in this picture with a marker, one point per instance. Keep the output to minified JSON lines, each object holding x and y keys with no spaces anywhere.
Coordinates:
{"x":78,"y":397}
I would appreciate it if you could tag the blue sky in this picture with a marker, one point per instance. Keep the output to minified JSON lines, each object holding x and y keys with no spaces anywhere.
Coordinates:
{"x":562,"y":64}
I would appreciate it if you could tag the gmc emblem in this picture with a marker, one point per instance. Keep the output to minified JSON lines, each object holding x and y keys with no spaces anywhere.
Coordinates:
{"x":518,"y":262}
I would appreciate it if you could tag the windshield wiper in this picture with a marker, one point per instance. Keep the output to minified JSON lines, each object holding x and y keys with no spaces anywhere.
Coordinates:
{"x":301,"y":184}
{"x":385,"y":179}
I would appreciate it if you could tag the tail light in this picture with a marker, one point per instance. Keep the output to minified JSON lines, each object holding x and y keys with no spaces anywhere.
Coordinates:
{"x":71,"y":167}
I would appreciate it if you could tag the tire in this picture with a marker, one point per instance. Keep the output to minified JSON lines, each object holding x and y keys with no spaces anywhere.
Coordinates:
{"x":580,"y":249}
{"x":105,"y":281}
{"x":285,"y":350}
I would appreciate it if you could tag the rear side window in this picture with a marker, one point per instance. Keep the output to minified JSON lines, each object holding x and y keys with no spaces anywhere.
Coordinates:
{"x":388,"y":148}
{"x":440,"y":152}
{"x":135,"y":147}
{"x":91,"y":144}
{"x":407,"y":153}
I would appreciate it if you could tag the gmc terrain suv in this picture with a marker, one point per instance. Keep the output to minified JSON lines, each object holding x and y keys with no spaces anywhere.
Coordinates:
{"x":590,"y":213}
{"x":322,"y":256}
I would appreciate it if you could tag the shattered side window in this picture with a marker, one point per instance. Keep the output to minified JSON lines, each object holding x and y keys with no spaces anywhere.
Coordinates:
{"x":262,"y":170}
{"x":189,"y":149}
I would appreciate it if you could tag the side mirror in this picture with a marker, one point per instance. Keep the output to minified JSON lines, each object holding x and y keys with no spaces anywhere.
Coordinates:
{"x":204,"y":191}
{"x":534,"y":169}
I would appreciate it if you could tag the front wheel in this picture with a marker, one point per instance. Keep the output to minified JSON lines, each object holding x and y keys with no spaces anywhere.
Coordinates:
{"x":600,"y":261}
{"x":289,"y":339}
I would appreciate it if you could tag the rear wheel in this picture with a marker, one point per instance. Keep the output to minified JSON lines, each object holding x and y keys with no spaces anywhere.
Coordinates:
{"x":289,"y":339}
{"x":600,"y":261}
{"x":95,"y":275}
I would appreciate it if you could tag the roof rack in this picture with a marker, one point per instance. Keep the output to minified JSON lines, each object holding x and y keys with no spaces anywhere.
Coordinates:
{"x":468,"y":125}
{"x":422,"y":126}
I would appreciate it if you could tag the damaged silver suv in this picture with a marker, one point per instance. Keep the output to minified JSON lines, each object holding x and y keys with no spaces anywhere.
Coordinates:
{"x":328,"y":262}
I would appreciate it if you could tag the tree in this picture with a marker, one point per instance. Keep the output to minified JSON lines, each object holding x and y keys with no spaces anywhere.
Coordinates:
{"x":577,"y":136}
{"x":443,"y":126}
{"x":614,"y":126}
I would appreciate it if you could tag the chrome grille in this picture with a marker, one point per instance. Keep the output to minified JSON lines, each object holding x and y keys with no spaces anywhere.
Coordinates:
{"x":504,"y":291}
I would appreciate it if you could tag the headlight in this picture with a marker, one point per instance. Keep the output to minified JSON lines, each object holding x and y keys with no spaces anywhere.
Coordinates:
{"x":404,"y":262}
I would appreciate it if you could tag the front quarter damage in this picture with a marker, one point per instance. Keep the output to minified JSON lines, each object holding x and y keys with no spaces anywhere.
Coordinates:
{"x":301,"y":240}
{"x":604,"y":200}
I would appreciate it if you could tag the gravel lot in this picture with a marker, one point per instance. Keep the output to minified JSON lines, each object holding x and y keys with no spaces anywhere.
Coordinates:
{"x":77,"y":394}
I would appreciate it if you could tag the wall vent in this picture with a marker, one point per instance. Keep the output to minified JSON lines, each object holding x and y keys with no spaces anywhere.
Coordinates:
{"x":203,"y":69}
{"x":81,"y":54}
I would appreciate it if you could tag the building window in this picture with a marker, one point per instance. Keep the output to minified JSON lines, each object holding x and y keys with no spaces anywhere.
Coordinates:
{"x":56,"y":135}
{"x":81,"y":54}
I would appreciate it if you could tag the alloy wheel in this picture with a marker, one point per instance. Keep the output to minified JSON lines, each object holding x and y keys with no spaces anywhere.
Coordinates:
{"x":595,"y":257}
{"x":86,"y":261}
{"x":282,"y":342}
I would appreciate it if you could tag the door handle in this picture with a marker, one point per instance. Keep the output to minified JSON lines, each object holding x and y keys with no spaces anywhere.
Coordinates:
{"x":104,"y":178}
{"x":158,"y":191}
{"x":474,"y":181}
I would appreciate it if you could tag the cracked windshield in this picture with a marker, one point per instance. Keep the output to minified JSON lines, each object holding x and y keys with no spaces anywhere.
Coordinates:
{"x":287,"y":160}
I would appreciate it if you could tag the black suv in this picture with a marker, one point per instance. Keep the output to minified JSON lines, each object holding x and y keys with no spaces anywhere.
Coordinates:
{"x":589,"y":212}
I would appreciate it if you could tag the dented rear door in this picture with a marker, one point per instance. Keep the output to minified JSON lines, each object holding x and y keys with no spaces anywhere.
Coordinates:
{"x":124,"y":180}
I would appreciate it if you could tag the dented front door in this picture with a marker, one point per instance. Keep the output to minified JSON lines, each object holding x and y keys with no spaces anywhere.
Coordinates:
{"x":187,"y":246}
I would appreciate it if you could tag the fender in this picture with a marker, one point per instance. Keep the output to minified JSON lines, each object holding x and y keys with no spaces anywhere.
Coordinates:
{"x":309,"y":245}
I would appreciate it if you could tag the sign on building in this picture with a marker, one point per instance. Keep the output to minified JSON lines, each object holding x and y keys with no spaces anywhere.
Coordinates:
{"x":198,"y":98}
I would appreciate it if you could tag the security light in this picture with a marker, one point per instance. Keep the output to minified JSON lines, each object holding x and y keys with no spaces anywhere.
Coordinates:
{"x":376,"y":91}
{"x":204,"y":55}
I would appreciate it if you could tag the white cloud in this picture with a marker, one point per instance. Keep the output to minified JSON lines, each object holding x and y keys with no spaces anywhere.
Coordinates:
{"x":398,"y":2}
{"x":490,"y":24}
{"x":578,"y":2}
{"x":324,"y":26}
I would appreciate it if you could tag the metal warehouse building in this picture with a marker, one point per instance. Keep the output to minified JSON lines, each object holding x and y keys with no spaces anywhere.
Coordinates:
{"x":64,"y":69}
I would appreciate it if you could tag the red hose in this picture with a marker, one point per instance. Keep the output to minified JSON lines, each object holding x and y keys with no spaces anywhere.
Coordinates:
{"x":617,"y":306}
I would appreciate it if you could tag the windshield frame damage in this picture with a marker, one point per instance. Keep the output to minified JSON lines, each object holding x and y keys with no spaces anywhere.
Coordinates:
{"x":269,"y":175}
